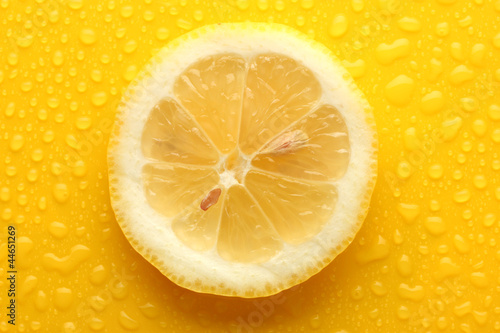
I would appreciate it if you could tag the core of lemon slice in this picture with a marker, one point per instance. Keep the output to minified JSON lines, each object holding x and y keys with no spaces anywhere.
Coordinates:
{"x":242,"y":160}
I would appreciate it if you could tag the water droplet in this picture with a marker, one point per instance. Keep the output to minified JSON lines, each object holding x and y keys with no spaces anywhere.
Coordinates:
{"x":162,"y":33}
{"x":409,"y":24}
{"x":148,"y":15}
{"x":415,"y":293}
{"x":435,"y":171}
{"x":357,"y":292}
{"x":446,"y":268}
{"x":130,"y":46}
{"x":461,"y":244}
{"x":462,"y":196}
{"x":495,"y":135}
{"x":480,"y":181}
{"x":409,"y":211}
{"x":378,"y":288}
{"x":432,"y":102}
{"x":184,"y":24}
{"x":404,"y":170}
{"x":338,"y":26}
{"x":58,"y":58}
{"x":32,"y":175}
{"x":279,"y":5}
{"x":58,"y":229}
{"x":16,"y":142}
{"x":42,"y":203}
{"x":410,"y":139}
{"x":5,"y":194}
{"x":75,"y":4}
{"x":496,"y":41}
{"x":307,"y":4}
{"x":403,"y":312}
{"x":315,"y":321}
{"x":79,"y":168}
{"x":96,"y":324}
{"x":67,"y":264}
{"x":357,"y":5}
{"x":99,"y":98}
{"x":48,"y":136}
{"x":98,"y":275}
{"x":442,"y":29}
{"x":63,"y":297}
{"x":461,"y":74}
{"x":494,"y":112}
{"x":130,"y":73}
{"x":376,"y":251}
{"x":477,"y":54}
{"x":462,"y":309}
{"x":88,"y":36}
{"x":435,"y":225}
{"x":127,"y":322}
{"x":489,"y":220}
{"x":96,"y":75}
{"x":404,"y":266}
{"x":61,"y":192}
{"x":386,"y":54}
{"x":451,"y":127}
{"x":83,"y":123}
{"x":149,"y":310}
{"x":37,"y":155}
{"x":126,"y":11}
{"x":397,"y":237}
{"x":41,"y":301}
{"x":357,"y":68}
{"x":400,"y":90}
{"x":479,"y":127}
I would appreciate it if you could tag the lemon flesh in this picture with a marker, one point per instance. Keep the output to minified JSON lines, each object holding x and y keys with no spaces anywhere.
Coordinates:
{"x":243,"y":160}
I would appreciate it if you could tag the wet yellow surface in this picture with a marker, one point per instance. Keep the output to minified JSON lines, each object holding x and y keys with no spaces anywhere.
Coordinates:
{"x":427,"y":257}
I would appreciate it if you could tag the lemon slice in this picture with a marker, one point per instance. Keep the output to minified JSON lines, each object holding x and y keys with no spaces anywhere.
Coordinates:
{"x":242,"y":160}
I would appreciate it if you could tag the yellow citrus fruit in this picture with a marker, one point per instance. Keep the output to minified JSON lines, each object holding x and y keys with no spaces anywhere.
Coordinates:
{"x":242,"y":160}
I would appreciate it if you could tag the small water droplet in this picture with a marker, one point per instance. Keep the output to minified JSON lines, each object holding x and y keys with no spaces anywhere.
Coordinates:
{"x":61,"y":192}
{"x":127,"y":321}
{"x":432,"y":102}
{"x":99,"y":98}
{"x":58,"y":229}
{"x":88,"y":36}
{"x":415,"y":293}
{"x":399,"y":91}
{"x":387,"y":53}
{"x":495,"y":135}
{"x":435,"y":225}
{"x":477,"y":54}
{"x":58,"y":58}
{"x":404,"y":266}
{"x":37,"y":155}
{"x":162,"y":33}
{"x":16,"y":142}
{"x":357,"y":5}
{"x":126,"y":11}
{"x":83,"y":123}
{"x":338,"y":26}
{"x":409,"y":24}
{"x":489,"y":220}
{"x":130,"y":46}
{"x":63,"y":297}
{"x":461,"y":74}
{"x":307,"y":4}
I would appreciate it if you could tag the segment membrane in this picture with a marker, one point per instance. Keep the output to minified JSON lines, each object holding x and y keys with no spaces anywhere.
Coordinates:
{"x":245,"y":235}
{"x":170,"y":135}
{"x":170,"y":189}
{"x":278,"y":92}
{"x":316,"y":148}
{"x":297,"y":209}
{"x":198,"y":228}
{"x":211,"y":90}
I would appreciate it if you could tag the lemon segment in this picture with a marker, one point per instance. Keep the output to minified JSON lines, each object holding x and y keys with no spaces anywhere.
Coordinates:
{"x":318,"y":148}
{"x":278,"y":92}
{"x":211,"y":90}
{"x":298,"y":209}
{"x":171,"y":135}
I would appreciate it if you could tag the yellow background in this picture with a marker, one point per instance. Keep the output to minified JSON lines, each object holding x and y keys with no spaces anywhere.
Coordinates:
{"x":427,"y":257}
